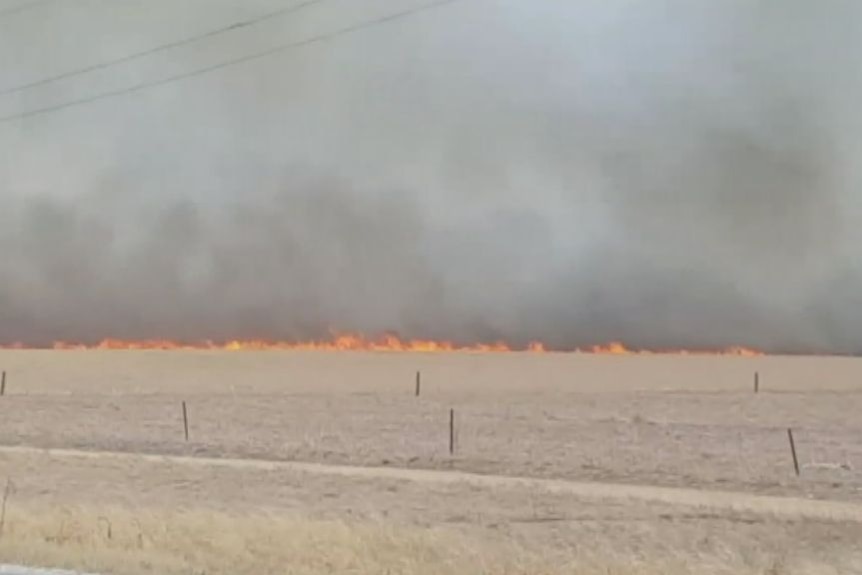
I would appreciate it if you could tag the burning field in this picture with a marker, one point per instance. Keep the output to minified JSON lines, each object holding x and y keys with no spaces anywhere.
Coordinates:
{"x":431,"y":287}
{"x":353,"y":342}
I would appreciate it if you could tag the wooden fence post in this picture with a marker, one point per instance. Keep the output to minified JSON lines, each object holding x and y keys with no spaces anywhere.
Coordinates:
{"x":451,"y":432}
{"x":186,"y":421}
{"x":793,"y":450}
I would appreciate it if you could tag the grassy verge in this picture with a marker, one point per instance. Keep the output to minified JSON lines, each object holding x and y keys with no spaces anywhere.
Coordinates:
{"x":121,"y":542}
{"x":115,"y":541}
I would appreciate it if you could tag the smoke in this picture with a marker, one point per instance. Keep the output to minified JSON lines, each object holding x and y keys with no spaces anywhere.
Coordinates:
{"x":670,"y":174}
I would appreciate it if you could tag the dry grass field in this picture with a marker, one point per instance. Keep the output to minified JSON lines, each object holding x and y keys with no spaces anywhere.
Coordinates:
{"x":327,"y":463}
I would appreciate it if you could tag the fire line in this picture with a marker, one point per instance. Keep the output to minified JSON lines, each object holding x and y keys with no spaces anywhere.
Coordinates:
{"x":387,"y":343}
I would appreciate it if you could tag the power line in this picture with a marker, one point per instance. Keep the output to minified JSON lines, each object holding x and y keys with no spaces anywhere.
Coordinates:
{"x":158,"y":49}
{"x":234,"y":62}
{"x":24,"y":7}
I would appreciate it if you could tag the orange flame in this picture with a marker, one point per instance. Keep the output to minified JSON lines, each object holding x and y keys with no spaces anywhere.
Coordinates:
{"x":617,"y":348}
{"x":353,"y":342}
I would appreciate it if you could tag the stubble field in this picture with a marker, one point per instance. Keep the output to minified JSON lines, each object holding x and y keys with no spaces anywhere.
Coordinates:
{"x":562,"y":463}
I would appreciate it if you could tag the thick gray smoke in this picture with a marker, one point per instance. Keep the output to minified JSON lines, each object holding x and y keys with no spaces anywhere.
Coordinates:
{"x":672,"y":173}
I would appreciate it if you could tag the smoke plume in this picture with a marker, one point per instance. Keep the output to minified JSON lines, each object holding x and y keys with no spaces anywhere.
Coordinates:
{"x":670,"y":174}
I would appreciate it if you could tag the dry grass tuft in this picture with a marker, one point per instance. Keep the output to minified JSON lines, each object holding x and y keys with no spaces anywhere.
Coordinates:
{"x":122,"y":542}
{"x":127,"y":542}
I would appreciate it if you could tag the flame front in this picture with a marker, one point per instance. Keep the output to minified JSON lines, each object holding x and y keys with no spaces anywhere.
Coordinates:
{"x":388,"y":343}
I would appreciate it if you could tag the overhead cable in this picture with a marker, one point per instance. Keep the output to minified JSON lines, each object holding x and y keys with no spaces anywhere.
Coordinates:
{"x":318,"y":39}
{"x":157,"y":49}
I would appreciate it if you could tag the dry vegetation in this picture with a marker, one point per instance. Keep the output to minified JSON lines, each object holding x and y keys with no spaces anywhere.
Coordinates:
{"x":676,"y":422}
{"x":123,"y":541}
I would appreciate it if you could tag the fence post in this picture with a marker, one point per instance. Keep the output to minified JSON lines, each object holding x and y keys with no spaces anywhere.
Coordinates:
{"x":418,"y":382}
{"x":186,"y":420}
{"x":451,"y":432}
{"x":793,"y":450}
